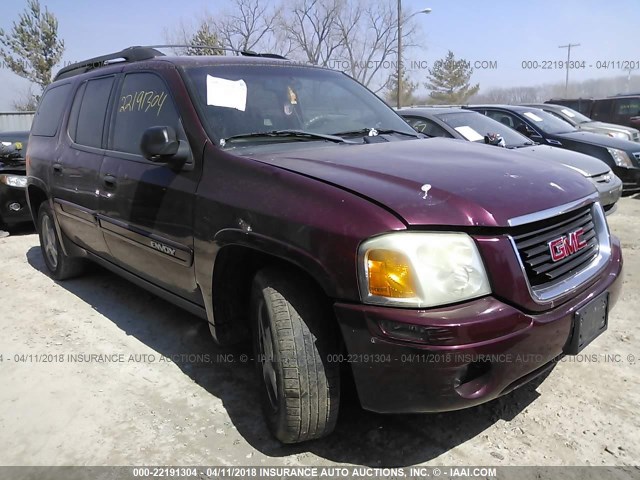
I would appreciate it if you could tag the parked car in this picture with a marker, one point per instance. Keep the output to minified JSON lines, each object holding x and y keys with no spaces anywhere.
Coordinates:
{"x":455,"y":122}
{"x":584,"y":123}
{"x":621,"y":155}
{"x":582,"y":105}
{"x":13,"y":180}
{"x":620,"y":109}
{"x":323,"y":227}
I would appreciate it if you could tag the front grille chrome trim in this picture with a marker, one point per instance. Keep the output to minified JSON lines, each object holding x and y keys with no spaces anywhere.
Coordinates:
{"x":547,"y":295}
{"x":552,"y":212}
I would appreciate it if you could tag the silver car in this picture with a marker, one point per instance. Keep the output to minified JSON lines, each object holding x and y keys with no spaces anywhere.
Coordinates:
{"x":455,"y":122}
{"x":584,"y":123}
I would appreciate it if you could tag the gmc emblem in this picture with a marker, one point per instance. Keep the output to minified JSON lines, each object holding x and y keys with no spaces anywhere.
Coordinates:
{"x":564,"y":246}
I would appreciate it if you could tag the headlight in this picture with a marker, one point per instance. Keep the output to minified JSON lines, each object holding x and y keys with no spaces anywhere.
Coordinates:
{"x":622,"y":135}
{"x":18,"y":181}
{"x":415,"y":269}
{"x":620,"y":157}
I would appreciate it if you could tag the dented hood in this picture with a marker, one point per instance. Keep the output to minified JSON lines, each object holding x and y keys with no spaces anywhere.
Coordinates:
{"x":438,"y":181}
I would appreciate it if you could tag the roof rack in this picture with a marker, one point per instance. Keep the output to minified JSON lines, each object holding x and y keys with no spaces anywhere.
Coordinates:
{"x":131,"y":54}
{"x":139,"y":53}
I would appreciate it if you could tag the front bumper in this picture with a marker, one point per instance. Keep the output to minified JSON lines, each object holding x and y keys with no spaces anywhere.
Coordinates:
{"x":609,"y":192}
{"x":630,"y":179}
{"x":13,"y":205}
{"x":477,"y":350}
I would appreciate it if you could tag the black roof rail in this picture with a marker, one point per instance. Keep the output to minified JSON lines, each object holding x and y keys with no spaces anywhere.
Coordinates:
{"x":250,"y":53}
{"x":131,"y":54}
{"x":138,"y":53}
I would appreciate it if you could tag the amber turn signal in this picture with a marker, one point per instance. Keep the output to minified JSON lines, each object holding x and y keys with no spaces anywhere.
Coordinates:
{"x":390,"y":274}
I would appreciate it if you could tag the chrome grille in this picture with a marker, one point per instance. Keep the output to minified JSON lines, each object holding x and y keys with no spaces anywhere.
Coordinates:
{"x":532,"y":242}
{"x":604,"y":178}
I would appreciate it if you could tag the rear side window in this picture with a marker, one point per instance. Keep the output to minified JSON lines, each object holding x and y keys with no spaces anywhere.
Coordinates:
{"x":628,"y":107}
{"x":144,"y":102}
{"x":601,"y":108}
{"x":50,"y":111}
{"x":89,"y":112}
{"x":427,"y":127}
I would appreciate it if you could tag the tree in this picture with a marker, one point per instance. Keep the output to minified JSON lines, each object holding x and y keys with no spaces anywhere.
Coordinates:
{"x":448,"y":80}
{"x":32,"y":48}
{"x":250,"y":25}
{"x":311,"y":28}
{"x":204,"y":36}
{"x":407,"y":96}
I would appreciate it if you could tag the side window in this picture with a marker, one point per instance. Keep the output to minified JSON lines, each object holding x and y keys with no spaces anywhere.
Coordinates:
{"x":144,"y":102}
{"x":50,"y":111}
{"x":89,"y":112}
{"x":427,"y":127}
{"x":504,"y":118}
{"x":602,"y":108}
{"x":628,"y":107}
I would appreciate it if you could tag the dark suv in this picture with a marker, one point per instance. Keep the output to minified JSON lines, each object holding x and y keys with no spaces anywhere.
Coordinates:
{"x":289,"y":204}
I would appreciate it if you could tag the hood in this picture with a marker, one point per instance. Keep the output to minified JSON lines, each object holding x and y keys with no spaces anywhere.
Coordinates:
{"x":585,"y":164}
{"x":438,"y":181}
{"x":608,"y":126}
{"x":602,"y":140}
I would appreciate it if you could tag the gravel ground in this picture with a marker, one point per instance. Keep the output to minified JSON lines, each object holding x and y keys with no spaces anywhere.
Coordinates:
{"x":139,"y":408}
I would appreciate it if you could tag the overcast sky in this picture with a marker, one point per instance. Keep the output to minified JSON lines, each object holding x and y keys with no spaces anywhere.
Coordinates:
{"x":504,"y":31}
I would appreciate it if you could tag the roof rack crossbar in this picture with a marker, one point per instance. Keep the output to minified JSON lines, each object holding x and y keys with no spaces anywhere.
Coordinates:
{"x":131,"y":54}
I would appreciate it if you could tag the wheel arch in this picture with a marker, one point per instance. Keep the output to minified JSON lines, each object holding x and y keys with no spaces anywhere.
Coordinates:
{"x":236,"y":263}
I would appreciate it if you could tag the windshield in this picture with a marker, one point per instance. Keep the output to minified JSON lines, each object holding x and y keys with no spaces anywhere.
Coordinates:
{"x":574,"y":116}
{"x":474,"y":126}
{"x":547,"y":122}
{"x":238,"y":100}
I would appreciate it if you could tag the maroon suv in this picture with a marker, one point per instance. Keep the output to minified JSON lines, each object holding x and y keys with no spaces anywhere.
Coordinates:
{"x":289,"y":204}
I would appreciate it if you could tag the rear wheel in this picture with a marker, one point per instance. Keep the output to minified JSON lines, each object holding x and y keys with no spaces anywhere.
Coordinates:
{"x":294,"y":337}
{"x":60,"y":265}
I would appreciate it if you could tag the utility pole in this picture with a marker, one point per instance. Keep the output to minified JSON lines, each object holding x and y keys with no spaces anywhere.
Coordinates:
{"x":399,"y":69}
{"x":568,"y":47}
{"x":399,"y":72}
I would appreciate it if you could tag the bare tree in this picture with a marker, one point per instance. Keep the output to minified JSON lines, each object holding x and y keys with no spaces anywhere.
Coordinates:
{"x":311,"y":28}
{"x":368,"y":33}
{"x":27,"y":101}
{"x":251,"y":26}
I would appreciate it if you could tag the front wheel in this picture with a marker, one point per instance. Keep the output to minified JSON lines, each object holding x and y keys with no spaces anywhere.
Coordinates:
{"x":60,"y":265}
{"x":293,"y":338}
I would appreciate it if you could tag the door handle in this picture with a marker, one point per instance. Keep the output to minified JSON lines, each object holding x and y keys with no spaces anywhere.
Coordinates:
{"x":57,"y":168}
{"x":109,"y":181}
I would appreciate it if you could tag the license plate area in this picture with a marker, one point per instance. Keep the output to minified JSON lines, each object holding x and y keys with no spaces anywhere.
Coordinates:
{"x":588,"y":322}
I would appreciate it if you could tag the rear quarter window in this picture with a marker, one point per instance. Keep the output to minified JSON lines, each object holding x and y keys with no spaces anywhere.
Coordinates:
{"x":89,"y":112}
{"x":50,"y":111}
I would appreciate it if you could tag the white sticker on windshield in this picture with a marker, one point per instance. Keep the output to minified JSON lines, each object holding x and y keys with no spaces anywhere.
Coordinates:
{"x":568,"y":113}
{"x":226,"y":93}
{"x":533,"y":116}
{"x":469,"y":133}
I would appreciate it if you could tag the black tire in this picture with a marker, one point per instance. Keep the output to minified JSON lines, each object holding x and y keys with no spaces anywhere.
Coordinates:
{"x":301,"y":403}
{"x":60,"y":265}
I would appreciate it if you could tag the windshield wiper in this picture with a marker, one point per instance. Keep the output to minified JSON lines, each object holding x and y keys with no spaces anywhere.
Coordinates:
{"x":522,"y":145}
{"x":374,"y":132}
{"x":284,"y":134}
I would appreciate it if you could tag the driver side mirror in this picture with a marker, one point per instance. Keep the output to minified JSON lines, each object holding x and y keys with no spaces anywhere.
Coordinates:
{"x":161,"y":145}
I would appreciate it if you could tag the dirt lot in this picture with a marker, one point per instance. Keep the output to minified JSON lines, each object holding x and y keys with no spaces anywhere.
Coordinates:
{"x":142,"y":409}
